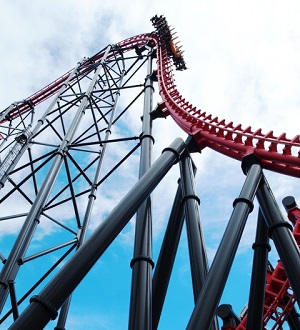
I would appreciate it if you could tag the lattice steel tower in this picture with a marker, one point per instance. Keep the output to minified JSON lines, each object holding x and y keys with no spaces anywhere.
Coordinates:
{"x":68,"y":144}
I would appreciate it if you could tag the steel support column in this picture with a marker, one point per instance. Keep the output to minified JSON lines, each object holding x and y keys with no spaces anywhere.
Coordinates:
{"x":44,"y":306}
{"x":281,"y":233}
{"x":197,"y":252}
{"x":13,"y":298}
{"x":293,"y":319}
{"x":258,"y":279}
{"x":62,"y":318}
{"x":196,"y":242}
{"x":140,"y":316}
{"x":166,"y":258}
{"x":213,"y":287}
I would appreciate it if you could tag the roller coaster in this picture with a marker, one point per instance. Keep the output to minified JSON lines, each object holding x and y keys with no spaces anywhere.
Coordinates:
{"x":53,"y":163}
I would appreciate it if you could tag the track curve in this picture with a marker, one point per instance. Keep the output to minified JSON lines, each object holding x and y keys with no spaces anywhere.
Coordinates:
{"x":276,"y":153}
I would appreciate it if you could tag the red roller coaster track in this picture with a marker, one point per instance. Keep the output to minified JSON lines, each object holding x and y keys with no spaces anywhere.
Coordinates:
{"x":277,"y":153}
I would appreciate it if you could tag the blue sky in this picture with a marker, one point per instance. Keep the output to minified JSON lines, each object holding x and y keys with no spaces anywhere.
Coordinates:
{"x":243,"y":65}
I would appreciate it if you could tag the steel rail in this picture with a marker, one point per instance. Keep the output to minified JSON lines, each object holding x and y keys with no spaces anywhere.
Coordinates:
{"x":276,"y":153}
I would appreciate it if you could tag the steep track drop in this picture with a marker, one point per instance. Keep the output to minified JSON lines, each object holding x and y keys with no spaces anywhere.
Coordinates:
{"x":276,"y":153}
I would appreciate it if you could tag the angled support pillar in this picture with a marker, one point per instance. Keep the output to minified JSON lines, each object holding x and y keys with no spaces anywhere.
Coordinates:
{"x":281,"y":233}
{"x":197,"y":252}
{"x":213,"y":287}
{"x":196,"y":242}
{"x":62,"y":318}
{"x":140,"y":316}
{"x":261,"y":248}
{"x":13,"y":298}
{"x":44,"y":306}
{"x":166,"y":258}
{"x":293,"y":212}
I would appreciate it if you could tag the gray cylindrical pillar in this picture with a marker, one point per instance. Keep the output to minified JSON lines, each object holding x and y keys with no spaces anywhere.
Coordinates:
{"x":281,"y":233}
{"x":258,"y":279}
{"x":166,"y":258}
{"x":140,"y":316}
{"x":211,"y":292}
